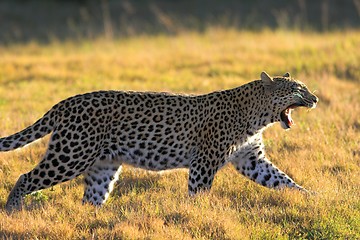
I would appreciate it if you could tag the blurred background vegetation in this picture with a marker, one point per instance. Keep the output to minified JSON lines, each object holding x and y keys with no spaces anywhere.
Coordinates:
{"x":46,"y":21}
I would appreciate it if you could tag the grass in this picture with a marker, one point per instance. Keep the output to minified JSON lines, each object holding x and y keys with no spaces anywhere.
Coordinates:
{"x":322,"y":152}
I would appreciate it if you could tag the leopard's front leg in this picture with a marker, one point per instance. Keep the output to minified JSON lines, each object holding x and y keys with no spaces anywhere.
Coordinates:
{"x":201,"y":176}
{"x":250,"y":161}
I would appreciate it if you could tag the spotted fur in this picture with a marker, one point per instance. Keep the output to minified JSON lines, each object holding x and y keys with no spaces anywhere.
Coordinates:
{"x":95,"y":133}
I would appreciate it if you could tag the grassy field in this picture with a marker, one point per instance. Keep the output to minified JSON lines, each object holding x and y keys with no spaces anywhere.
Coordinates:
{"x":321,"y":152}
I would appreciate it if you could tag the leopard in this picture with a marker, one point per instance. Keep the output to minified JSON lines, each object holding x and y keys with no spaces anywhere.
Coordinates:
{"x":94,"y":134}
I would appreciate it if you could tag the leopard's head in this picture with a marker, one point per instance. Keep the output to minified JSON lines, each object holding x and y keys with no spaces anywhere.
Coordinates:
{"x":284,"y":95}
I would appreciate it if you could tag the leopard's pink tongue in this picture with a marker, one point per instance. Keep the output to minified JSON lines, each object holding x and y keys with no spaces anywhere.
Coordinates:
{"x":289,"y":119}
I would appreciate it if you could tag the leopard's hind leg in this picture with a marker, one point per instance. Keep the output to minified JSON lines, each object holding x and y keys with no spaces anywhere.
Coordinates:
{"x":44,"y":175}
{"x":59,"y":164}
{"x":100,"y":179}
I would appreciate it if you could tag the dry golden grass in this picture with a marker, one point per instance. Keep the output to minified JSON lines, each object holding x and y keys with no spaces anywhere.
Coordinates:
{"x":322,"y":152}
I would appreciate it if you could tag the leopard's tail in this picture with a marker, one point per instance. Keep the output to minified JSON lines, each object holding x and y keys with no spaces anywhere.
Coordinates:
{"x":39,"y":129}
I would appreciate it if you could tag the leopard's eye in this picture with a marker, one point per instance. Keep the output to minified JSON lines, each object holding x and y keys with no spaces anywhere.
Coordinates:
{"x":298,"y":88}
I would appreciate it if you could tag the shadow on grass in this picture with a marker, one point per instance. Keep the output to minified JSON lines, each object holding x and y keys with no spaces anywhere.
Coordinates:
{"x":46,"y":21}
{"x":136,"y":184}
{"x":4,"y":234}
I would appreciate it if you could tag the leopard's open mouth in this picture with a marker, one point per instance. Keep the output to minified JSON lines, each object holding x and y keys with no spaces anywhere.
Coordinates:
{"x":285,"y":116}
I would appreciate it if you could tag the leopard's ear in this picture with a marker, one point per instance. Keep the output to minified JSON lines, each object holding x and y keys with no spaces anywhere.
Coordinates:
{"x":287,"y":75}
{"x":267,"y":81}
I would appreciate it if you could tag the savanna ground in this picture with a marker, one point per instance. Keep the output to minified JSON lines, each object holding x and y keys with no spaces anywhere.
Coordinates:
{"x":321,"y":152}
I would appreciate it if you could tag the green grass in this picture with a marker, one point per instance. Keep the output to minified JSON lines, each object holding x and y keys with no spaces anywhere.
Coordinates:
{"x":322,"y":152}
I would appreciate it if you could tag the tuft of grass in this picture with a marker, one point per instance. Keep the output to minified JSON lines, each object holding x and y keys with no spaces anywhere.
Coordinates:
{"x":321,"y":152}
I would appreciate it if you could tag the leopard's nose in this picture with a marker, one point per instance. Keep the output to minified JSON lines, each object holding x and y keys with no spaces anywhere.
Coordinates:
{"x":312,"y":97}
{"x":315,"y":99}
